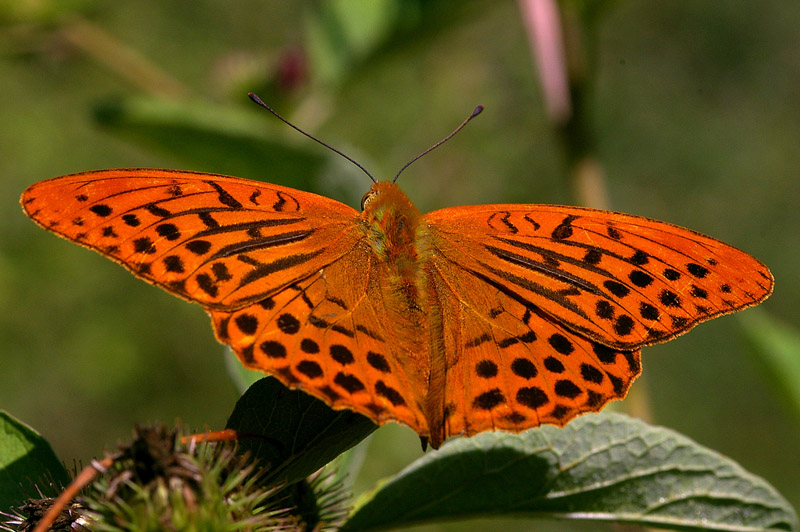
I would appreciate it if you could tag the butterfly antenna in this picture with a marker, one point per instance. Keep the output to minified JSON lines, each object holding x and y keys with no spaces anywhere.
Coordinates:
{"x":258,"y":100}
{"x":475,"y":113}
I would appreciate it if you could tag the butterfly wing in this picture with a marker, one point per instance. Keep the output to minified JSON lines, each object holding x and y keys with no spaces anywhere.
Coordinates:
{"x":286,"y":275}
{"x":330,"y":335}
{"x":543,"y":309}
{"x":508,"y":366}
{"x":223,"y":242}
{"x":622,"y":280}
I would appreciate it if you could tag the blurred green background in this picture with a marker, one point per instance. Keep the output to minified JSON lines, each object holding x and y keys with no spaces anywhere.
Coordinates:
{"x":696,"y":110}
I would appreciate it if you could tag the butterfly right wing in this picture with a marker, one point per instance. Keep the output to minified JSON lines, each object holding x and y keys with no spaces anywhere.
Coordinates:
{"x":286,"y":275}
{"x":542,"y":309}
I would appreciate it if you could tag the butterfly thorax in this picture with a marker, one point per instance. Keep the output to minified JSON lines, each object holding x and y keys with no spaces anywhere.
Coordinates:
{"x":391,"y":221}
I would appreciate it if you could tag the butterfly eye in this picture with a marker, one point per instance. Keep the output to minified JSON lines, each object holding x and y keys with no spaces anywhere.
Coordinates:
{"x":368,"y":197}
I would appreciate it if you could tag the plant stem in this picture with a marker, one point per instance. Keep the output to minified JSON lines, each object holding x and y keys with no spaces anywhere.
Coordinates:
{"x":119,"y":58}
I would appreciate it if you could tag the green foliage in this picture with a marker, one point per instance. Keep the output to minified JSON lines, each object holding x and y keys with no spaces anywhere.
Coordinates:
{"x":600,"y":467}
{"x":204,"y":135}
{"x":776,"y":346}
{"x":26,"y":461}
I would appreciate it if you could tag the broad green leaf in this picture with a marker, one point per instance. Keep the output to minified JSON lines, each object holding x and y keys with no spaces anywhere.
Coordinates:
{"x":778,"y":348}
{"x":27,"y":462}
{"x":600,"y":467}
{"x":291,"y":433}
{"x":232,"y":140}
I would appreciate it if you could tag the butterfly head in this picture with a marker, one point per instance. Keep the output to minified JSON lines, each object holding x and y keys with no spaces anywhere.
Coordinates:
{"x":382,"y":196}
{"x":389,"y":217}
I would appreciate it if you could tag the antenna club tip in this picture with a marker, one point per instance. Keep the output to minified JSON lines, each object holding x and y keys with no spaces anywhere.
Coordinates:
{"x":477,"y":111}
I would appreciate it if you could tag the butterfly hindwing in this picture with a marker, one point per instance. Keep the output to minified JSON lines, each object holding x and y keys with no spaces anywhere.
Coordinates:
{"x":329,"y":335}
{"x":510,"y":367}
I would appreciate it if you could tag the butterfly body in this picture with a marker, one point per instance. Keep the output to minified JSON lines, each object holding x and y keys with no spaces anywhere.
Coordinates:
{"x":454,"y":322}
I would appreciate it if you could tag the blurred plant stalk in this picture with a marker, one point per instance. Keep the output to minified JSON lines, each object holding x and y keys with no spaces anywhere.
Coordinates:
{"x":119,"y":58}
{"x":563,"y":39}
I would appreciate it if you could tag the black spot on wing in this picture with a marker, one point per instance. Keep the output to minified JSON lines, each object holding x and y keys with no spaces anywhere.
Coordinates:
{"x":522,"y":367}
{"x":101,"y":210}
{"x":532,"y":397}
{"x":616,"y":288}
{"x":224,"y":197}
{"x":168,"y":231}
{"x":349,"y":382}
{"x":378,"y":361}
{"x":486,"y":369}
{"x":131,"y":220}
{"x":144,"y":245}
{"x":389,"y":393}
{"x":198,"y":247}
{"x":155,"y":210}
{"x":499,"y":221}
{"x":174,"y":264}
{"x":564,"y":229}
{"x":489,"y":400}
{"x":696,"y":270}
{"x":309,"y":368}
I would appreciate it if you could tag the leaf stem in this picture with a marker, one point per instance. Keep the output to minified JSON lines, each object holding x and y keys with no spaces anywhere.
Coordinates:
{"x":119,"y":58}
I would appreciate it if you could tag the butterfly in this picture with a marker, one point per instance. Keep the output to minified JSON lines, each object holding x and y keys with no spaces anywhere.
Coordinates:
{"x":455,"y":322}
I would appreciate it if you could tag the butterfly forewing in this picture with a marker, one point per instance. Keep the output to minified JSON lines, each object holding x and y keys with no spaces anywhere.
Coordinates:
{"x":622,"y":280}
{"x":221,"y":241}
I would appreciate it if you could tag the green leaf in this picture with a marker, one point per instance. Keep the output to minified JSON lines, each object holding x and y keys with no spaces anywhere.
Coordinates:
{"x":342,"y":32}
{"x":26,"y":460}
{"x":291,"y":433}
{"x":777,"y":346}
{"x":344,"y":35}
{"x":600,"y":467}
{"x":238,"y":141}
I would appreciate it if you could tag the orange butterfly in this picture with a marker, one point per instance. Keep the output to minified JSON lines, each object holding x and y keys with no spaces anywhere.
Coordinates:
{"x":455,"y":322}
